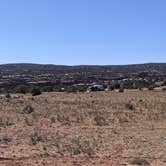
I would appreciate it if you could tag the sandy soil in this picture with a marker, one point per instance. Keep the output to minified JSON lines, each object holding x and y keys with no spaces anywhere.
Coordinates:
{"x":83,"y":129}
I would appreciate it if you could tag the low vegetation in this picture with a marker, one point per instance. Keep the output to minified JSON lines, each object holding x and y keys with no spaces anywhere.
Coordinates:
{"x":138,"y":161}
{"x":36,"y":138}
{"x":28,"y":109}
{"x":36,"y":91}
{"x":98,"y":128}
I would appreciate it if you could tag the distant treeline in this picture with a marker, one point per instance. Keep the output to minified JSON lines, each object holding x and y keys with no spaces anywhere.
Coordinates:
{"x":69,"y":87}
{"x":28,"y":88}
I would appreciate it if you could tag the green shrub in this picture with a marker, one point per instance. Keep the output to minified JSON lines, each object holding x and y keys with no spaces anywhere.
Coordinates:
{"x":36,"y":91}
{"x":48,"y":89}
{"x":22,"y":89}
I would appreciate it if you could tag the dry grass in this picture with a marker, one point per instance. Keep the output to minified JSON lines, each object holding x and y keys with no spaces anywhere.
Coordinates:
{"x":102,"y":128}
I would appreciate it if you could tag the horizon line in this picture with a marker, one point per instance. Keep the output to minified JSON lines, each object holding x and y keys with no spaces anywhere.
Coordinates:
{"x":31,"y":63}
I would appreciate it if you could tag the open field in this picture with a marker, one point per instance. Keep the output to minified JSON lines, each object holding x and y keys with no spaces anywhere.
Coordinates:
{"x":83,"y":129}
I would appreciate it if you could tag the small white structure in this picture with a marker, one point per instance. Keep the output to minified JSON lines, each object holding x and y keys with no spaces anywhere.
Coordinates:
{"x":95,"y":88}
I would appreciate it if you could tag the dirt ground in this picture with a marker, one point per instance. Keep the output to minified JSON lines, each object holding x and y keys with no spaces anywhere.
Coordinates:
{"x":83,"y":129}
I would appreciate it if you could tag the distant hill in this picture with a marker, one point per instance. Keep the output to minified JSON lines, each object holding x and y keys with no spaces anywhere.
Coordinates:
{"x":23,"y":68}
{"x":78,"y":78}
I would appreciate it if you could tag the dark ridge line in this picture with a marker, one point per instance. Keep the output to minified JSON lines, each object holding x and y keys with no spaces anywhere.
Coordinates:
{"x":121,"y":65}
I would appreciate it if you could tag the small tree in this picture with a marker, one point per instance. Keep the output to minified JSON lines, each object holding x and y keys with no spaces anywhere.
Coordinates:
{"x":35,"y":91}
{"x":116,"y":85}
{"x":48,"y":89}
{"x":22,"y":89}
{"x":121,"y":89}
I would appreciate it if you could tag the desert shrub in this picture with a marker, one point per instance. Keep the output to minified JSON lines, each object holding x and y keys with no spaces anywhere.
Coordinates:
{"x":6,"y":139}
{"x":116,"y":85}
{"x":164,"y":83}
{"x":53,"y":119}
{"x":8,"y":96}
{"x":100,"y":121}
{"x":35,"y":91}
{"x":29,"y":121}
{"x":78,"y":146}
{"x":130,"y":106}
{"x":164,"y":89}
{"x":88,"y":148}
{"x":129,"y":84}
{"x":151,"y":88}
{"x":75,"y":147}
{"x":121,"y":90}
{"x":48,"y":89}
{"x":36,"y":138}
{"x":63,"y":119}
{"x":71,"y":89}
{"x":111,"y":88}
{"x":123,"y":119}
{"x":81,"y":88}
{"x":22,"y":89}
{"x":5,"y":122}
{"x":138,"y":161}
{"x":28,"y":109}
{"x":140,"y":88}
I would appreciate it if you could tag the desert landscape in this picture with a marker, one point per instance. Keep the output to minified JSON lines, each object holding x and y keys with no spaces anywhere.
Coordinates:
{"x":82,"y":83}
{"x":83,"y":129}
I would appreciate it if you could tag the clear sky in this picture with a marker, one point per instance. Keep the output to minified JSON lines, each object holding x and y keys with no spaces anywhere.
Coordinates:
{"x":74,"y":32}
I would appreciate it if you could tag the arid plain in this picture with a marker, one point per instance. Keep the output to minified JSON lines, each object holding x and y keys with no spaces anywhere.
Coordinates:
{"x":83,"y":129}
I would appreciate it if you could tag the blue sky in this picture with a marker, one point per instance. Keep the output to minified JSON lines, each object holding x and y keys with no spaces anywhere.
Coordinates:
{"x":74,"y":32}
